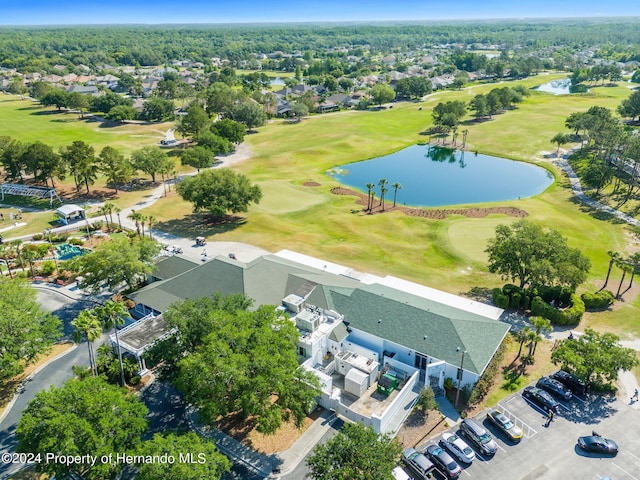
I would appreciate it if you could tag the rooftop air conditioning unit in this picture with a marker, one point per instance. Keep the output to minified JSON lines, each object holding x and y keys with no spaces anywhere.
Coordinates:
{"x":293,"y":303}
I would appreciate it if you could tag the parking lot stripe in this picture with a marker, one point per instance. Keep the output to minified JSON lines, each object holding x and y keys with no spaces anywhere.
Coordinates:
{"x":580,"y":399}
{"x":516,"y":420}
{"x":465,"y":471}
{"x":637,"y":458}
{"x":501,"y":447}
{"x":564,"y":406}
{"x":623,"y":470}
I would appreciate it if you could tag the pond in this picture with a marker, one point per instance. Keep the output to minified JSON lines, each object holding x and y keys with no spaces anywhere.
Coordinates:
{"x":434,"y":176}
{"x":561,"y":86}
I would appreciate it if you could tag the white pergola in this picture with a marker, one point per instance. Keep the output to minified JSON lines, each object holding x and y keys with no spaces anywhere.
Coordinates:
{"x":28,"y":191}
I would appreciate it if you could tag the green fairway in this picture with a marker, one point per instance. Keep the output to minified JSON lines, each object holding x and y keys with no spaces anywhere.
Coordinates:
{"x":27,"y":121}
{"x":446,"y":254}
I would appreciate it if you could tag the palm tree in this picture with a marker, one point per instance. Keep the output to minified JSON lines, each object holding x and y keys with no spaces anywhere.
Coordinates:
{"x":113,"y":313}
{"x":118,"y":210}
{"x":560,"y":139}
{"x":541,"y":325}
{"x":104,"y":211}
{"x":634,"y":263}
{"x":4,"y":255}
{"x":88,"y":325}
{"x":370,"y":187}
{"x":521,"y":337}
{"x":136,"y":217}
{"x":150,"y":221}
{"x":110,"y":207}
{"x":396,"y":186}
{"x":465,"y":132}
{"x":533,"y":338}
{"x":613,"y":258}
{"x":625,"y":268}
{"x":383,"y":189}
{"x":143,"y":220}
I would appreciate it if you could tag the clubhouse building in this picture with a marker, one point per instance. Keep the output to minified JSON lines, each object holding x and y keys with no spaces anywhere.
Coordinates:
{"x":374,"y":342}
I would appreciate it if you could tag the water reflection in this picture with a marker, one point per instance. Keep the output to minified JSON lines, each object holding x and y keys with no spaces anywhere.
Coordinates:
{"x":562,"y":86}
{"x":435,"y":176}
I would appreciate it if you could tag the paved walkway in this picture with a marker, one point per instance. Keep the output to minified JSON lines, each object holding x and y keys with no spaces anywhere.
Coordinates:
{"x":281,"y":463}
{"x":451,"y":415}
{"x":576,"y":187}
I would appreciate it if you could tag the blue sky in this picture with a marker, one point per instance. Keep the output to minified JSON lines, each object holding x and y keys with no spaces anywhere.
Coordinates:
{"x":48,"y":12}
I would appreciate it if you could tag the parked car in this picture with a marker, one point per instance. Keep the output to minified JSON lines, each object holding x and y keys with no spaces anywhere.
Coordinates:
{"x":576,"y":385}
{"x":505,"y":425}
{"x":540,"y":398}
{"x":597,"y":444}
{"x":399,"y":474}
{"x":555,"y":387}
{"x":478,"y":436}
{"x":417,"y":463}
{"x":458,"y":447}
{"x":443,"y":461}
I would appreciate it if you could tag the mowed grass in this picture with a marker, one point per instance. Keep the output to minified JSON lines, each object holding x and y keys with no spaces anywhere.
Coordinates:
{"x":27,"y":121}
{"x":446,"y":254}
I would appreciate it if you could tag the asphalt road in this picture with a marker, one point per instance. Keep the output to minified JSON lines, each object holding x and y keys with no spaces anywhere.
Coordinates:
{"x":56,"y":373}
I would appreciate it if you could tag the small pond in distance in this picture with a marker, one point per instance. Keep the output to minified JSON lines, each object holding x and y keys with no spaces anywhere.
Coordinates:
{"x":434,"y":176}
{"x":561,"y":86}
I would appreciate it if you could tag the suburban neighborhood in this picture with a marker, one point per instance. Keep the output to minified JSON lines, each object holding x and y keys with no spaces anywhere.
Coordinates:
{"x":400,"y":250}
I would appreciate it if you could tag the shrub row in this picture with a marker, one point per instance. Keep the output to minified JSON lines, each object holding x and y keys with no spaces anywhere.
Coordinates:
{"x":569,"y":316}
{"x":597,"y":300}
{"x":538,"y":299}
{"x":486,"y":380}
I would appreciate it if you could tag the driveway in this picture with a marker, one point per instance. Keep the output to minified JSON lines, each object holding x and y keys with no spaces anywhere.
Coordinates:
{"x":55,"y":373}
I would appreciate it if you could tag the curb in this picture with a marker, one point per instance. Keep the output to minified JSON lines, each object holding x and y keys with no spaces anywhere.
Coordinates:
{"x":9,"y":406}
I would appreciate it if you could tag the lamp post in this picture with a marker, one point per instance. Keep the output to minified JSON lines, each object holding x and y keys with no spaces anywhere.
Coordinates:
{"x":460,"y":375}
{"x":89,"y":233}
{"x":55,"y":260}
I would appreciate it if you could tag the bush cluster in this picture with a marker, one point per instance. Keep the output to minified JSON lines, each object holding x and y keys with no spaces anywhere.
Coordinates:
{"x":543,"y":301}
{"x":597,"y":300}
{"x":569,"y":316}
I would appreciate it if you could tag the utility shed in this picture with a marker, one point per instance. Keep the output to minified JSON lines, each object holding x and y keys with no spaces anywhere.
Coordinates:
{"x":356,"y":382}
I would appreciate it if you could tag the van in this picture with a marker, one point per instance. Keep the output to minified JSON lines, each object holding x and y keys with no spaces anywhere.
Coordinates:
{"x":479,"y":437}
{"x":417,"y":463}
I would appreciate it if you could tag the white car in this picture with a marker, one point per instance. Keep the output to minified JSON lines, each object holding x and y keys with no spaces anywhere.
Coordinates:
{"x":458,"y":447}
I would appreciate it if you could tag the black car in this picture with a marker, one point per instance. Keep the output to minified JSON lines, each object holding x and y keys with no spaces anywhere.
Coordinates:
{"x":555,"y":387}
{"x":540,"y":398}
{"x":576,"y":385}
{"x":443,"y":461}
{"x":597,"y":444}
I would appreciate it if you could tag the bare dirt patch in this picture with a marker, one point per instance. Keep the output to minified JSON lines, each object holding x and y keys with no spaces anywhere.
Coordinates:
{"x":311,"y":184}
{"x":418,"y":428}
{"x":244,"y":430}
{"x":435,"y":214}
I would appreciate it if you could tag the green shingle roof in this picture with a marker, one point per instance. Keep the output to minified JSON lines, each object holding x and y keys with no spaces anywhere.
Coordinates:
{"x":407,"y":323}
{"x":405,"y":319}
{"x":169,"y":267}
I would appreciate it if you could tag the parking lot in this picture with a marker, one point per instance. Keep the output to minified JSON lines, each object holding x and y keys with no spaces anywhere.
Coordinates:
{"x":552,"y":452}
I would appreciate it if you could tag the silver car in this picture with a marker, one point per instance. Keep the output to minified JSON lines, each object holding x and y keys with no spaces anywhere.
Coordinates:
{"x":458,"y":447}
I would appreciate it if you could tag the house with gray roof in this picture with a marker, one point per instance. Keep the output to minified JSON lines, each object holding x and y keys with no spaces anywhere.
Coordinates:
{"x":385,"y":324}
